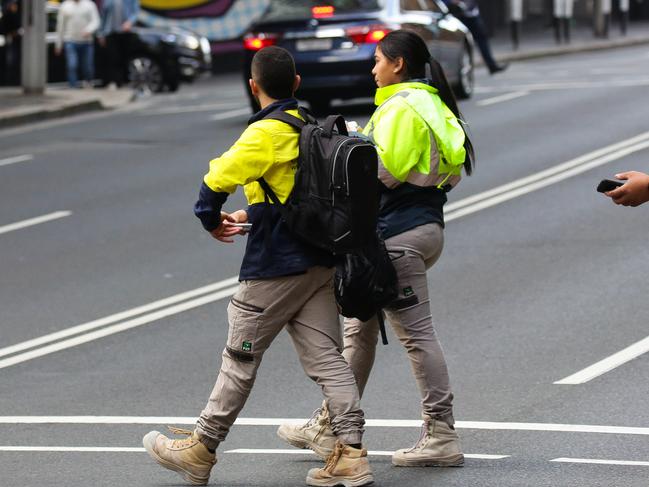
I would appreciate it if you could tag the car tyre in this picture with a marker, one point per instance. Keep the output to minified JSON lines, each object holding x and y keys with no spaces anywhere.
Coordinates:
{"x":466,"y":80}
{"x":145,"y":74}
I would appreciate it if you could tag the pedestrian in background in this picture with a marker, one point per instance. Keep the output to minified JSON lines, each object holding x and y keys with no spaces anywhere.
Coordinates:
{"x":117,"y":19}
{"x":76,"y":23}
{"x":423,"y":148}
{"x":632,"y":193}
{"x":469,"y":13}
{"x":10,"y":26}
{"x":284,"y":283}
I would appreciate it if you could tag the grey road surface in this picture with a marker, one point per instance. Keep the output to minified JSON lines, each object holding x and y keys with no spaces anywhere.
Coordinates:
{"x":540,"y":280}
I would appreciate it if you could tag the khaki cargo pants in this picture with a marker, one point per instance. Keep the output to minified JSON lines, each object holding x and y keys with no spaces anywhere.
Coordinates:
{"x":259,"y":310}
{"x":412,"y":253}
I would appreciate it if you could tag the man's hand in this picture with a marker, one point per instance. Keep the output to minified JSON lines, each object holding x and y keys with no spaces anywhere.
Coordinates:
{"x":102,"y":41}
{"x":632,"y":193}
{"x":57,"y":51}
{"x":225,"y":231}
{"x":126,"y":26}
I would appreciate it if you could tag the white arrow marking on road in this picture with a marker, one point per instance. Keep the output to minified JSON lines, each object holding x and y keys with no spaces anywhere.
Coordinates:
{"x":455,"y":210}
{"x":14,"y":160}
{"x":601,"y":462}
{"x":501,"y":98}
{"x":371,"y":423}
{"x":34,"y":221}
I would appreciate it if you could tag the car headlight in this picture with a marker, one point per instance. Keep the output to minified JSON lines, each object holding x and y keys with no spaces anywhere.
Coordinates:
{"x":205,"y":46}
{"x":191,"y":42}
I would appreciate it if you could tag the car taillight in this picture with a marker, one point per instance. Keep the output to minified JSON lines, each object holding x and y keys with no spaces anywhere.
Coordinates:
{"x":322,"y":11}
{"x":255,"y":42}
{"x":363,"y":34}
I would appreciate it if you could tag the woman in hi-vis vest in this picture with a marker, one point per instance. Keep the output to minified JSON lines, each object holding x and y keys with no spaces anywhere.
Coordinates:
{"x":423,"y":148}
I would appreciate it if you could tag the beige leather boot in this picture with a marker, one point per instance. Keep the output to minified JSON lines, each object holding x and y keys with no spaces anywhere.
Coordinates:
{"x":187,"y":456}
{"x":438,"y":446}
{"x":316,"y":434}
{"x":345,"y":466}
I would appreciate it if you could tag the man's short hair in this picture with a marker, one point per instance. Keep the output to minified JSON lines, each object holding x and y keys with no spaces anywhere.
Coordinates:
{"x":273,"y":69}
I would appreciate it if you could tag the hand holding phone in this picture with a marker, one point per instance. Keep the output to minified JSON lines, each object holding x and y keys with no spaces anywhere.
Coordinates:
{"x":243,"y":226}
{"x":606,"y":185}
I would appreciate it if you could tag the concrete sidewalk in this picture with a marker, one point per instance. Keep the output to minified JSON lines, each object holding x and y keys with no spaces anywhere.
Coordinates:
{"x":17,"y":108}
{"x":535,"y":41}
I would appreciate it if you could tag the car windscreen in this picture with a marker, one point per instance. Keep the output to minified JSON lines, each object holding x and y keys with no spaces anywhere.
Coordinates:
{"x":301,"y":9}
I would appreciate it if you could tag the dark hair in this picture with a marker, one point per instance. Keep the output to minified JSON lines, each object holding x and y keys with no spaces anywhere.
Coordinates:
{"x":412,"y":49}
{"x":273,"y":69}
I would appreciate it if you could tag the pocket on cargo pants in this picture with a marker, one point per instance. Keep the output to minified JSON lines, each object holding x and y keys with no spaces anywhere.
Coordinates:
{"x":244,"y":321}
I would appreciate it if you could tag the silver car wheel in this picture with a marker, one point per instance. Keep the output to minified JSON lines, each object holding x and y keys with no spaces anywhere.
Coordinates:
{"x":145,"y":75}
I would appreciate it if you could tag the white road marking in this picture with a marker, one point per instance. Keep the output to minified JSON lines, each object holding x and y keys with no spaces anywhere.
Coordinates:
{"x":231,"y":114}
{"x":16,"y":159}
{"x":253,"y":451}
{"x":34,"y":221}
{"x":455,"y":210}
{"x":606,"y":365}
{"x":502,"y":98}
{"x":91,"y":325}
{"x":601,"y":462}
{"x":85,"y":449}
{"x":546,"y":177}
{"x":371,"y":423}
{"x":566,"y":85}
{"x":377,"y":453}
{"x":127,"y":325}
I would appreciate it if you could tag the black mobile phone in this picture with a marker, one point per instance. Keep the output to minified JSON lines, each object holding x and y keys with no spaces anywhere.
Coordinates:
{"x":606,"y":185}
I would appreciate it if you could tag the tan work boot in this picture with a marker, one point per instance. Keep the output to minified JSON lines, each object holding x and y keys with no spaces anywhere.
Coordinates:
{"x":346,"y":466}
{"x":187,"y":456}
{"x":315,"y":434}
{"x":438,"y":446}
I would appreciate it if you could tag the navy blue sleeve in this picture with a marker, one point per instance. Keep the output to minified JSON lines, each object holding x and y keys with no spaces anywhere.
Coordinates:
{"x":208,"y":207}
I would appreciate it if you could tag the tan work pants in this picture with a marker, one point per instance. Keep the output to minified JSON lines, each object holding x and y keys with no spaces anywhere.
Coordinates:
{"x":259,"y":310}
{"x":412,"y":253}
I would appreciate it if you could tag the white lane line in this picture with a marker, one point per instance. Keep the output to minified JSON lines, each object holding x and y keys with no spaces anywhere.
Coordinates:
{"x":231,"y":114}
{"x":606,"y":365}
{"x":517,"y":188}
{"x":602,"y":462}
{"x":371,"y":423}
{"x":127,"y":325}
{"x":502,"y":98}
{"x":85,"y":449}
{"x":563,"y":85}
{"x":91,"y":325}
{"x":16,"y":159}
{"x":376,"y":453}
{"x":34,"y":221}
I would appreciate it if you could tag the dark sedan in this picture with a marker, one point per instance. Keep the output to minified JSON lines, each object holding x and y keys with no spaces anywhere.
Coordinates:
{"x":158,"y":58}
{"x":333,"y":43}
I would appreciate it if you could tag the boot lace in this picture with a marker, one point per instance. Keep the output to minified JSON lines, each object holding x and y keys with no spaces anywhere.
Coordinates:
{"x":182,"y":442}
{"x":332,"y":461}
{"x":425,"y":431}
{"x":314,"y":419}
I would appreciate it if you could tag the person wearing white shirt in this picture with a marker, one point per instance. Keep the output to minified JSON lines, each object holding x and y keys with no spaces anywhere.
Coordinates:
{"x":77,"y":21}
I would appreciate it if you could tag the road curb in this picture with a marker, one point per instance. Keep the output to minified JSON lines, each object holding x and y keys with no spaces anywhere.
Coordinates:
{"x":570,"y":49}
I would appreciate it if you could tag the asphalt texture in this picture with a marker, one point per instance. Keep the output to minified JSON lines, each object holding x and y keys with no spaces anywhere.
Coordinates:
{"x":527,"y":292}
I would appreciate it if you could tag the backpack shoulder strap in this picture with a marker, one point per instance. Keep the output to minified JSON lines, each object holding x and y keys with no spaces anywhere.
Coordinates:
{"x":287,"y":118}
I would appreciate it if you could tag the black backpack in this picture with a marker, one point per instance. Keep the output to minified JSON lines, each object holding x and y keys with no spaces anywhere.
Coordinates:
{"x":334,"y":207}
{"x":334,"y":202}
{"x":365,"y":282}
